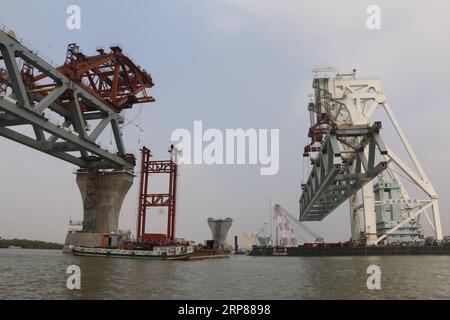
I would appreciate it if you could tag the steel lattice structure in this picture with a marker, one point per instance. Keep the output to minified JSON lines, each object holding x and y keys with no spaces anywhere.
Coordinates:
{"x":341,"y":102}
{"x":86,"y":92}
{"x":338,"y":173}
{"x":149,"y":200}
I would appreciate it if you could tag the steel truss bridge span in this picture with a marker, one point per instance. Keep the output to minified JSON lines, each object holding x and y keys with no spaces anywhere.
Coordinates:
{"x":338,"y":173}
{"x":86,"y":94}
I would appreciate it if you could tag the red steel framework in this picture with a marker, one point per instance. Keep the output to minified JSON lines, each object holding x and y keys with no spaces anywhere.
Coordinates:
{"x":148,"y":200}
{"x":112,"y":77}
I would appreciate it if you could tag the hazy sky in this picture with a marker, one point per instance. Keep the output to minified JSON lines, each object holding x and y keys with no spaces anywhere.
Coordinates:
{"x":234,"y":64}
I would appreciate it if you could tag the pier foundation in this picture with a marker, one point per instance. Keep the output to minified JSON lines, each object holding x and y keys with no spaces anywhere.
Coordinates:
{"x":103,"y":193}
{"x":219,"y":229}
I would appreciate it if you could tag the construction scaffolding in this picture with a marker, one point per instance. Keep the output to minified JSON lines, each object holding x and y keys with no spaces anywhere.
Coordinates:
{"x":150,"y":200}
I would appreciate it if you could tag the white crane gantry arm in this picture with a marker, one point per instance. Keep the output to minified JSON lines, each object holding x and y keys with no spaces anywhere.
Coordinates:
{"x":291,"y":217}
{"x":350,"y":103}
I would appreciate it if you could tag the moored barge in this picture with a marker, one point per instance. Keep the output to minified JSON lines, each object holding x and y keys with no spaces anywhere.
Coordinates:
{"x":155,"y":253}
{"x":329,"y":251}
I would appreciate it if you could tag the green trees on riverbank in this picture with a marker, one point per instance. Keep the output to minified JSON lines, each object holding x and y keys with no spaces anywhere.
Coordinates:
{"x":29,"y":244}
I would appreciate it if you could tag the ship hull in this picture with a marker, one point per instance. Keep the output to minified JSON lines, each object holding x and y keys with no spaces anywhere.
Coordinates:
{"x":163,"y":253}
{"x":209,"y":254}
{"x":349,"y":251}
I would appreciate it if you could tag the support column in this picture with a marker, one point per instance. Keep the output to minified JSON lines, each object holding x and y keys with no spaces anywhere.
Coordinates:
{"x":219,"y":229}
{"x":102,"y":193}
{"x":370,"y":222}
{"x":437,"y":220}
{"x":354,"y":219}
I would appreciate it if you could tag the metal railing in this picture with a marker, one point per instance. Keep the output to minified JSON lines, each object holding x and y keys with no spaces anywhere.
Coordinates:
{"x":22,"y":41}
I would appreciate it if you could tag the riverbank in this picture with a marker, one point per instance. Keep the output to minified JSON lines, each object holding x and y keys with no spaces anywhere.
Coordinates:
{"x":29,"y":244}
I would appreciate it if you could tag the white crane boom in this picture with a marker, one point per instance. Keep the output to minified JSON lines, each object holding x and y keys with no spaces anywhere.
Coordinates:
{"x":315,"y":235}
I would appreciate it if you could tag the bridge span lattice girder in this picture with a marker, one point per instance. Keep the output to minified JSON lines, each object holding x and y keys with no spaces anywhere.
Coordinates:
{"x":85,"y":114}
{"x":330,"y":183}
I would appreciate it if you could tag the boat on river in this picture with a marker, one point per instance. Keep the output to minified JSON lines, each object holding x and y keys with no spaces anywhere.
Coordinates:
{"x":154,"y":253}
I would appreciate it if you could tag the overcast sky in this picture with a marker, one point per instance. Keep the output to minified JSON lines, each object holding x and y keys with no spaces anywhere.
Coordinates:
{"x":234,"y":64}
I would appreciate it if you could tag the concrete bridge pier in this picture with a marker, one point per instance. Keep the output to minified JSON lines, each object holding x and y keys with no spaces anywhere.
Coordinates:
{"x":102,"y":193}
{"x":219,"y":229}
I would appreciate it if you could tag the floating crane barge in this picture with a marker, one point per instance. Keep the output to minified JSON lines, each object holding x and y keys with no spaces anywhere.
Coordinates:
{"x":350,"y":161}
{"x":338,"y":250}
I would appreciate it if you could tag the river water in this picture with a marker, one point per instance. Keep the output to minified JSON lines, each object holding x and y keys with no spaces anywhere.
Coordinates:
{"x":41,"y":274}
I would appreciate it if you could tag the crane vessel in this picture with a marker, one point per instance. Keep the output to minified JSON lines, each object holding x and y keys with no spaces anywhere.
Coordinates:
{"x":350,"y":160}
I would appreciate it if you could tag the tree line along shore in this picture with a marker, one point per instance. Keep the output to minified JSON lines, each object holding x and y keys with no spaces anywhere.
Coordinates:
{"x":29,"y":244}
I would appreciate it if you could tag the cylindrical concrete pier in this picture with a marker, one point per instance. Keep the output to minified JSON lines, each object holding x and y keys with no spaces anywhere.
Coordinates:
{"x":102,"y":193}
